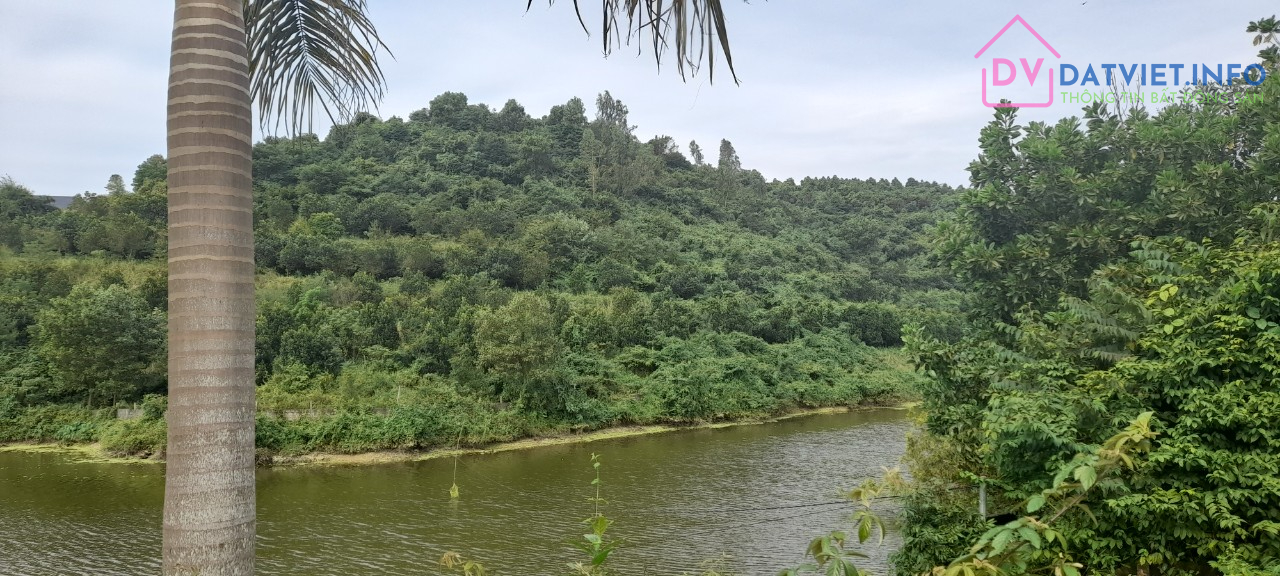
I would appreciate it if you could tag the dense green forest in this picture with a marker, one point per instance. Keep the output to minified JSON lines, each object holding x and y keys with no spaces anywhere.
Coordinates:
{"x":1116,"y":383}
{"x":470,"y":275}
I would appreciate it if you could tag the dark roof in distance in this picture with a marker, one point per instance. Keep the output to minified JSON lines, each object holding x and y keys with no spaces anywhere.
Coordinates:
{"x":61,"y":202}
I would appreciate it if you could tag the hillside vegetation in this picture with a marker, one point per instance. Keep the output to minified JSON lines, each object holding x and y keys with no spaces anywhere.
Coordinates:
{"x":469,"y":275}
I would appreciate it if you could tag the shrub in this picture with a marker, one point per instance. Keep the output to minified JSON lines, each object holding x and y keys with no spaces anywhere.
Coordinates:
{"x":142,"y":436}
{"x":51,"y":423}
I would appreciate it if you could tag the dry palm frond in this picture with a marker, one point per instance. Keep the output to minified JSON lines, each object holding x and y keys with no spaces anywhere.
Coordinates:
{"x":694,"y":28}
{"x":306,"y":51}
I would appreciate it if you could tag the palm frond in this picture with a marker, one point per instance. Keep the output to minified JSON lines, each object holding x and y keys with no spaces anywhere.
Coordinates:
{"x":304,"y":52}
{"x":693,"y":28}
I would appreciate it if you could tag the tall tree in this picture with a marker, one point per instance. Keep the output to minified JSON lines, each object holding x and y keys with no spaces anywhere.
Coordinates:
{"x":209,"y":508}
{"x":115,"y":186}
{"x":593,"y":160}
{"x":728,"y":167}
{"x":297,"y":51}
{"x":695,"y":152}
{"x":729,"y":161}
{"x":287,"y":55}
{"x":612,"y":112}
{"x":153,"y":169}
{"x":616,"y":145}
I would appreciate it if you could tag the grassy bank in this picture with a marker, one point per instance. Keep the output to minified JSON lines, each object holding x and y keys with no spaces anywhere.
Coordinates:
{"x":385,"y":456}
{"x":96,"y":452}
{"x":396,"y":415}
{"x":87,"y":453}
{"x":557,"y":439}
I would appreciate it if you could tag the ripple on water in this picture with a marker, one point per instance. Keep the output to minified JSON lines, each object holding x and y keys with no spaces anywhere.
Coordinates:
{"x":677,"y":499}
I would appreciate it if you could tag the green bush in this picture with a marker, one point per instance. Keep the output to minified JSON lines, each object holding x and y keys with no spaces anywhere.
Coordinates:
{"x":154,"y":406}
{"x":874,"y":323}
{"x":142,"y":436}
{"x":51,"y":423}
{"x":934,"y":533}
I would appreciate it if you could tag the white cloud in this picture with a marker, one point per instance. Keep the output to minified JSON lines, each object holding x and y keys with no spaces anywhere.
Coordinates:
{"x":828,"y":86}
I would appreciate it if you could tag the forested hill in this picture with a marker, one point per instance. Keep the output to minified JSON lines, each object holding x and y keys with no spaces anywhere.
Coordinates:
{"x":481,"y":272}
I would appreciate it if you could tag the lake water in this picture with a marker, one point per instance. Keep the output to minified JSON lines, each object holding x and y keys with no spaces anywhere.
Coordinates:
{"x":757,"y":493}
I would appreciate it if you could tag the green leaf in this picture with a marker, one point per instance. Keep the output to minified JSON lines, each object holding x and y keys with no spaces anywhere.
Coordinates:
{"x":1031,"y":536}
{"x":1035,"y":503}
{"x":986,"y":538}
{"x":1086,"y":476}
{"x":1001,"y":541}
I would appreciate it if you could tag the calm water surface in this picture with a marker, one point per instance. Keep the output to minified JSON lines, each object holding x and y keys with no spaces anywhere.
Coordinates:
{"x":677,"y":498}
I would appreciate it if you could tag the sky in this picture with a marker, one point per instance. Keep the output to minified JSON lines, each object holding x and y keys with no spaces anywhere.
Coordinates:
{"x":828,"y":87}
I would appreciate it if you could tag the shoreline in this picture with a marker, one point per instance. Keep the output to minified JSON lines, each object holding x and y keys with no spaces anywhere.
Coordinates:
{"x":80,"y":453}
{"x":93,"y":454}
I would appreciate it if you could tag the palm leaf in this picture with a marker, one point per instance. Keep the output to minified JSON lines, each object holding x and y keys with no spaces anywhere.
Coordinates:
{"x":303,"y":52}
{"x":693,"y":28}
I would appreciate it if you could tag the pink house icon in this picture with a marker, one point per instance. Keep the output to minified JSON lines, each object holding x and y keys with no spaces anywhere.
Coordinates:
{"x":1031,"y":73}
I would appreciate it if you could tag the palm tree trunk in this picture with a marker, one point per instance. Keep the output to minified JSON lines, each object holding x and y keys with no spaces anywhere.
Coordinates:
{"x":209,"y":480}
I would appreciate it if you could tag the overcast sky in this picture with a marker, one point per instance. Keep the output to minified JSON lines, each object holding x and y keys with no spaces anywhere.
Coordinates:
{"x":829,"y":87}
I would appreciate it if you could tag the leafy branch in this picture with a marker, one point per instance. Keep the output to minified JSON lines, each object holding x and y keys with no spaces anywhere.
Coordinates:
{"x":1031,"y":540}
{"x":829,"y":552}
{"x":596,"y":544}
